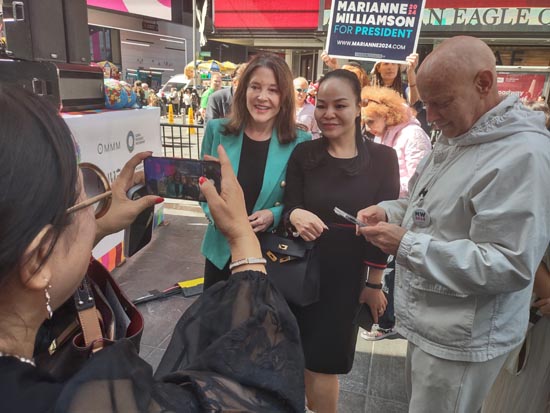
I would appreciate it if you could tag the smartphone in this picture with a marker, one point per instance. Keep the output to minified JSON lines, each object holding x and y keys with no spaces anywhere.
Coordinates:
{"x":348,"y":217}
{"x":179,"y":178}
{"x":139,"y":233}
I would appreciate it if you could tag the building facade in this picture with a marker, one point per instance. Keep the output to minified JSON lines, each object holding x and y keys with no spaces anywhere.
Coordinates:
{"x":517,"y":30}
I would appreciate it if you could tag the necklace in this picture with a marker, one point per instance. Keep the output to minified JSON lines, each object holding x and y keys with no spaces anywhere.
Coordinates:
{"x":22,"y":359}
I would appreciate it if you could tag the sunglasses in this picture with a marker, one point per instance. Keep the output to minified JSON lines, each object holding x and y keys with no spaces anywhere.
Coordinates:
{"x":300,"y":90}
{"x":97,"y":189}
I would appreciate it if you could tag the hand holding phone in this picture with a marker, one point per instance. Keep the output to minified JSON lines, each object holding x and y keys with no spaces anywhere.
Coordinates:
{"x":179,"y":178}
{"x":139,"y":233}
{"x":349,"y":217}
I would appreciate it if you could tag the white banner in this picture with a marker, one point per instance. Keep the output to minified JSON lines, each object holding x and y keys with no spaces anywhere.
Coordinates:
{"x":109,"y":139}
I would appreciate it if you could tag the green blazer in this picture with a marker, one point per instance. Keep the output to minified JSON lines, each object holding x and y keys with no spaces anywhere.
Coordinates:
{"x":214,"y":245}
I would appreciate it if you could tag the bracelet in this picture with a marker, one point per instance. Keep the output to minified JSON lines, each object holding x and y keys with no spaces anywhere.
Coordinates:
{"x":375,"y":286}
{"x":246,"y":261}
{"x":412,"y":85}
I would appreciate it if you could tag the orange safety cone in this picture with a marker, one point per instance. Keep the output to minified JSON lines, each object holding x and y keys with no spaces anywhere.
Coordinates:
{"x":191,"y":120}
{"x":170,"y":113}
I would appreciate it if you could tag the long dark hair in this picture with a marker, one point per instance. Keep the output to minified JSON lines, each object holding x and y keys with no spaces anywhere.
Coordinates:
{"x":396,"y":85}
{"x":319,"y":153}
{"x":38,"y":175}
{"x":285,"y":122}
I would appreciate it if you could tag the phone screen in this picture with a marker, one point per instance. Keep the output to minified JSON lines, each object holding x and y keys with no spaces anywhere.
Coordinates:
{"x":139,"y":233}
{"x":179,"y":178}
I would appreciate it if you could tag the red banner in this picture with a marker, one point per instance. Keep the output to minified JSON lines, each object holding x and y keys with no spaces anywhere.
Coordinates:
{"x":528,"y":86}
{"x":268,"y":15}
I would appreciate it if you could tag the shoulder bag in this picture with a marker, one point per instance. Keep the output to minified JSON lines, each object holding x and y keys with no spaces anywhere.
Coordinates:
{"x":98,"y":314}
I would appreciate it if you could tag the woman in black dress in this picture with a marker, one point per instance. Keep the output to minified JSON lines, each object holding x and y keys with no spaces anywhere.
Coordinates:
{"x":338,"y":170}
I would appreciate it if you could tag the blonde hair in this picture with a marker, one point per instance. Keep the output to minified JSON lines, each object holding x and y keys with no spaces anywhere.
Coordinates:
{"x":385,"y":102}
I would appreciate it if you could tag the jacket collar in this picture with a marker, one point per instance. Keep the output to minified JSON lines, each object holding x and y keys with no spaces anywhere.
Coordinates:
{"x":277,"y":159}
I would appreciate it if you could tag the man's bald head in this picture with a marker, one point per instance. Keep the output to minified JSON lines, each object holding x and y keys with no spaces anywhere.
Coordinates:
{"x":458,"y":57}
{"x":459,"y":75}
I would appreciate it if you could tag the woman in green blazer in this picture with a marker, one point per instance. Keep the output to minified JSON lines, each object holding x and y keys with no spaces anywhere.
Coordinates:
{"x":258,"y":136}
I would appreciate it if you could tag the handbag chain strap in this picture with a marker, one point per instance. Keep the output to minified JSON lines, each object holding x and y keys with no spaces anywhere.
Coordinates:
{"x":87,"y":315}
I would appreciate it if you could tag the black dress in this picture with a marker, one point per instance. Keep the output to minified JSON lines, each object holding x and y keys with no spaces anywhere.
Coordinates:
{"x":319,"y":182}
{"x":237,"y":348}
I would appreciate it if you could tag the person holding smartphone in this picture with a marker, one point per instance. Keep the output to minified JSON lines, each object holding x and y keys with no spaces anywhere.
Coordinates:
{"x":250,"y":360}
{"x":337,"y":170}
{"x":258,"y":135}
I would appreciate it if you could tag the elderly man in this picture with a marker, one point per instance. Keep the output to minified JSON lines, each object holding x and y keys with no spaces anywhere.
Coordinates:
{"x":471,"y":234}
{"x":304,"y":109}
{"x":219,"y":102}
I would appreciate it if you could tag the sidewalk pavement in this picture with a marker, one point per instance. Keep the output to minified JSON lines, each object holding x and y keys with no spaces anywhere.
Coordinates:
{"x":376,"y":382}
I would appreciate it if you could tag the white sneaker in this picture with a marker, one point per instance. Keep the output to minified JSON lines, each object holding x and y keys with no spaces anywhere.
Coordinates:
{"x":377,"y":333}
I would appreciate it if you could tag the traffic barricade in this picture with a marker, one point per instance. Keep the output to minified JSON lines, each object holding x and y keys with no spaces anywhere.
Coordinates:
{"x":181,"y":141}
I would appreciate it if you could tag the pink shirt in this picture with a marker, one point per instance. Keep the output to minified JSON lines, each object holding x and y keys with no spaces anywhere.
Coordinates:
{"x":411,"y":144}
{"x":305,"y":116}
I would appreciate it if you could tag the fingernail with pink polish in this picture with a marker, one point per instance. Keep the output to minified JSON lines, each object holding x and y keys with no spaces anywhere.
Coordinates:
{"x":202,"y":180}
{"x":159,"y":200}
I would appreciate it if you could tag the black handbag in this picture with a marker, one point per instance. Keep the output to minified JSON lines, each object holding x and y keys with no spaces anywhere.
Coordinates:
{"x":293,"y":267}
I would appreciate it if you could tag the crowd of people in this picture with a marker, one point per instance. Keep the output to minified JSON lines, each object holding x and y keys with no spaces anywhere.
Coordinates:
{"x":458,"y":233}
{"x":349,"y":112}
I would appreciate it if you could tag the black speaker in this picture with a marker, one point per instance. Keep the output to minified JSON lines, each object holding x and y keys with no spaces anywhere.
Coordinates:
{"x":75,"y":15}
{"x":35,"y":30}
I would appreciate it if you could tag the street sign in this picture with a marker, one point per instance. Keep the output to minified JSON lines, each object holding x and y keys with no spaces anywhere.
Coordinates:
{"x":205,"y":53}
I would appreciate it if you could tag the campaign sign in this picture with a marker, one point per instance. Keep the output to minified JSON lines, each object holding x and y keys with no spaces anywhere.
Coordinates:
{"x":374,"y":30}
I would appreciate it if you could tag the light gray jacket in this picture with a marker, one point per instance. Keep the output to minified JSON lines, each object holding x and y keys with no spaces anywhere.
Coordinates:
{"x":463,"y":283}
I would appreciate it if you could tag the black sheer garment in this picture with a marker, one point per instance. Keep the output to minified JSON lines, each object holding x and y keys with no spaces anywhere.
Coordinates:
{"x":237,"y":348}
